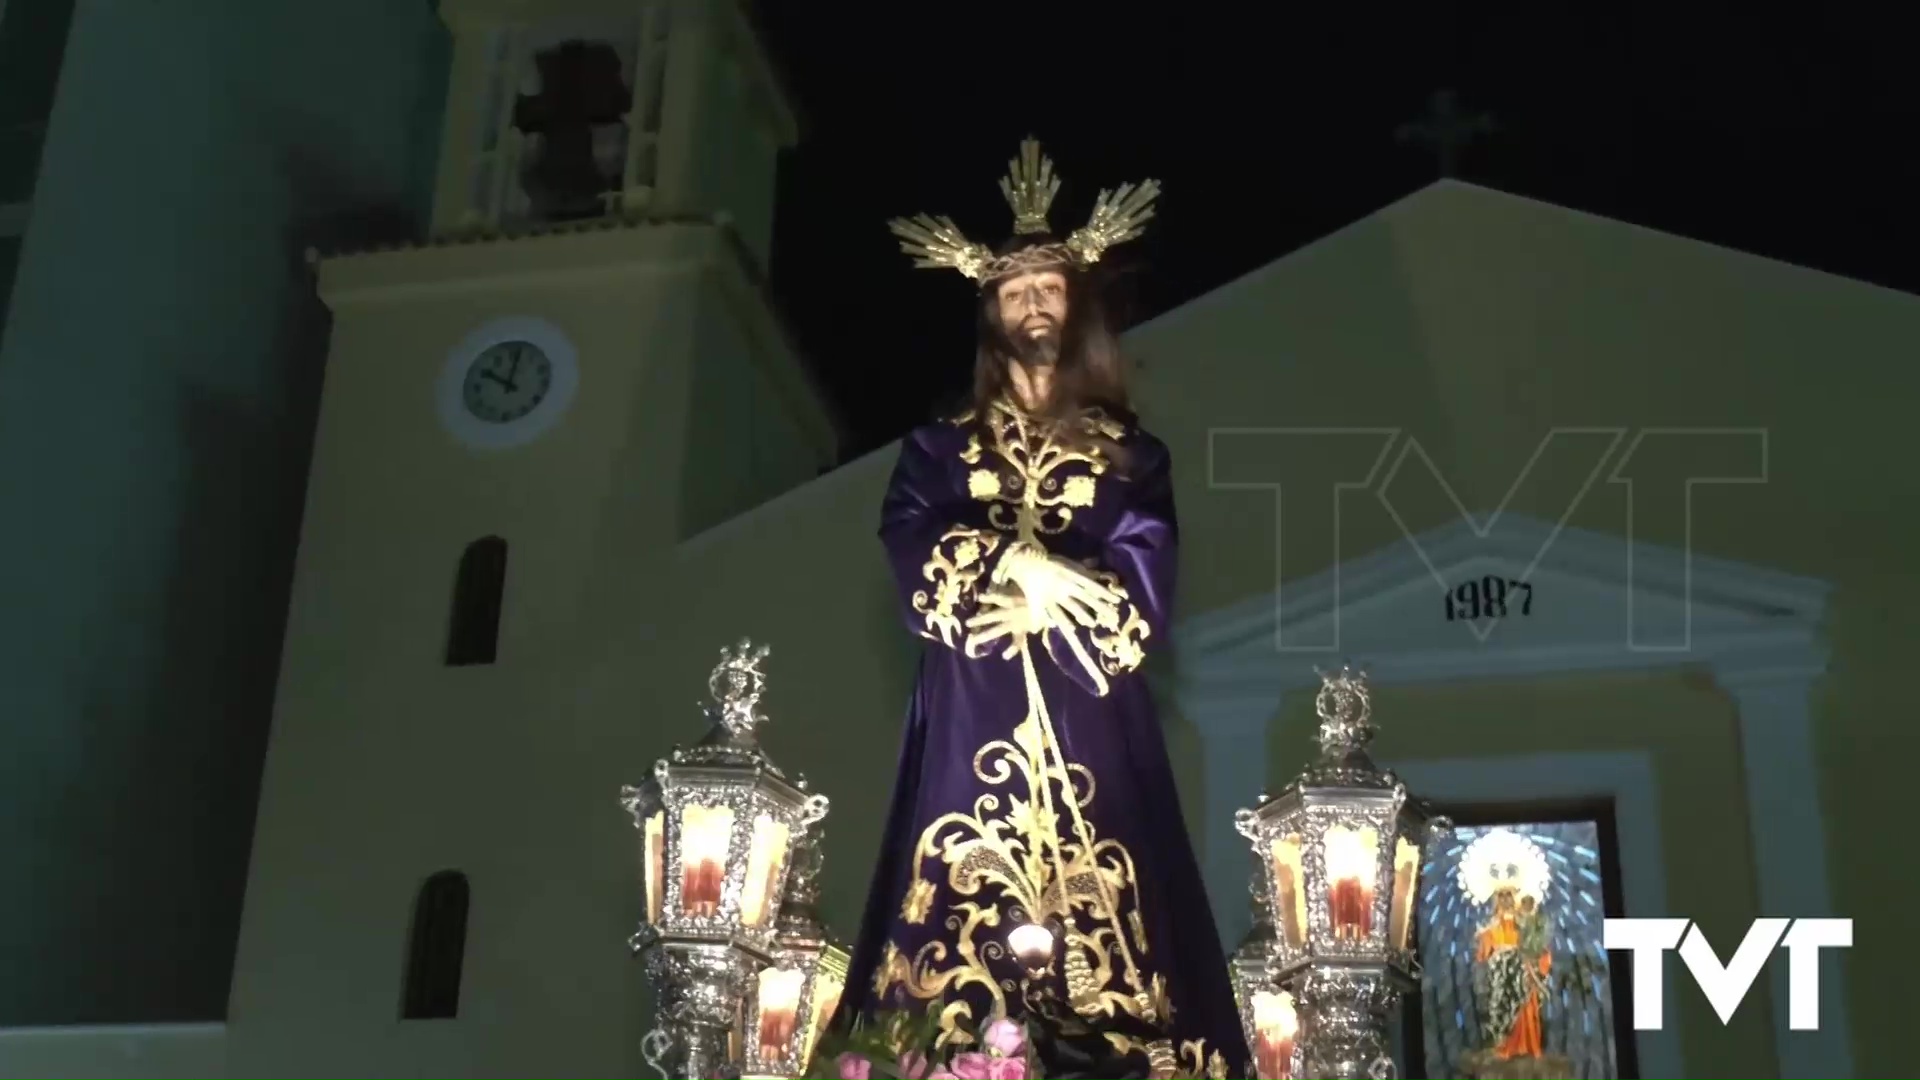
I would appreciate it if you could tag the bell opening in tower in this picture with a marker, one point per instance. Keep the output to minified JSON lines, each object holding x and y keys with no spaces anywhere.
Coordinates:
{"x":573,"y":114}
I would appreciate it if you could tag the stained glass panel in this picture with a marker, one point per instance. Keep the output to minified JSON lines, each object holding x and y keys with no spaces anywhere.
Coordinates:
{"x":1517,"y":982}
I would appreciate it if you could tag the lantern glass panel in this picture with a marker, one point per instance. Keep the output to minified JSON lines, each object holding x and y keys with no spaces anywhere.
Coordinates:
{"x":1406,"y":882}
{"x":1275,"y":1025}
{"x":653,"y":855}
{"x":765,"y":860}
{"x":1352,"y":857}
{"x":705,"y":833}
{"x":1289,"y":885}
{"x":778,"y":1009}
{"x":828,"y":985}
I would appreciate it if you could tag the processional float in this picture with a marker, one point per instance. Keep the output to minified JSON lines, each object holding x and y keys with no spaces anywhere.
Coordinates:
{"x":745,"y":976}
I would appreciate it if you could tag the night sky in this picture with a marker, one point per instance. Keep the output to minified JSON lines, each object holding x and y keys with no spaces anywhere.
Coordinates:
{"x":1786,"y":135}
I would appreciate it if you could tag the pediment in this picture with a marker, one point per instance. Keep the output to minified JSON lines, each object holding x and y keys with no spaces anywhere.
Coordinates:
{"x":1560,"y":599}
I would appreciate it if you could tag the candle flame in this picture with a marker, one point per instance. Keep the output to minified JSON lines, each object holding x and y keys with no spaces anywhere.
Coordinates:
{"x":705,"y":832}
{"x":1275,"y":1024}
{"x":779,"y":1003}
{"x":1352,"y":868}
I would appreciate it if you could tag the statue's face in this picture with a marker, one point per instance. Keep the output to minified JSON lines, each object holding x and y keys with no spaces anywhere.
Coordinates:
{"x":1033,"y":306}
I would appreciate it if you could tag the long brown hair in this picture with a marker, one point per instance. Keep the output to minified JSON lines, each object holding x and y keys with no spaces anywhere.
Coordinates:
{"x":1090,"y":372}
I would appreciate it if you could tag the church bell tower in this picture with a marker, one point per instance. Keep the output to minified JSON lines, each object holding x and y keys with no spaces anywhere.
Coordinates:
{"x":524,"y":414}
{"x":583,"y":352}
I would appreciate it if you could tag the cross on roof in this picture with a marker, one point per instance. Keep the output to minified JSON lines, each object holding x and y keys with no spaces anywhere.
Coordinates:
{"x":1446,"y":129}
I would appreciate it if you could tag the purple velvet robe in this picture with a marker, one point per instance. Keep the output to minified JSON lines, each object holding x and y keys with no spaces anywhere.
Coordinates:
{"x":967,"y":854}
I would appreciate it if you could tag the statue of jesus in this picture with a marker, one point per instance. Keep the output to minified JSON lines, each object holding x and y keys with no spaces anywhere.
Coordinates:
{"x":1033,"y":542}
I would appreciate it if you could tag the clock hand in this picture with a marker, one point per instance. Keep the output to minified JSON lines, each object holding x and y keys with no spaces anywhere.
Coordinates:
{"x":514,"y":368}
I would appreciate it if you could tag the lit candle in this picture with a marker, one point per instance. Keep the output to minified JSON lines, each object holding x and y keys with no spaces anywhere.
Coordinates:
{"x":704,"y":833}
{"x":1274,"y":1025}
{"x":779,"y":1009}
{"x":1350,"y":873}
{"x":765,"y":859}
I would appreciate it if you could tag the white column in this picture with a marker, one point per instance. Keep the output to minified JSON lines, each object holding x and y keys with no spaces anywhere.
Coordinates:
{"x":1233,"y":736}
{"x":691,"y":59}
{"x":1789,"y":849}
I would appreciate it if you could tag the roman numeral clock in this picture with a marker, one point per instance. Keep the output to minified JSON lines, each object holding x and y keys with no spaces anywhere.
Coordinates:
{"x":507,"y":383}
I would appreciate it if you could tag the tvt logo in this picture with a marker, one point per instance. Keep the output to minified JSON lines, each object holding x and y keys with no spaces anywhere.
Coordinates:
{"x":1726,"y":985}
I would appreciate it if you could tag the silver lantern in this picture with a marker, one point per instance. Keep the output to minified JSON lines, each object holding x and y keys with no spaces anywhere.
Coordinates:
{"x":1341,"y":849}
{"x":1268,"y":1018}
{"x":791,"y":1000}
{"x":718,"y":825}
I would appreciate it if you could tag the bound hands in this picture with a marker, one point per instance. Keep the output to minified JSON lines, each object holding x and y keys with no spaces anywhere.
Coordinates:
{"x":1039,"y":592}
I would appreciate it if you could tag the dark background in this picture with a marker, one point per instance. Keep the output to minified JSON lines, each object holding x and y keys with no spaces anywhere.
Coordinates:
{"x":1788,"y":135}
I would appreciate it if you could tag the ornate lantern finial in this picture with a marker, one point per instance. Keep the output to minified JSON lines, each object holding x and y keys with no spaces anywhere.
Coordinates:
{"x":1345,"y":708}
{"x":736,"y":686}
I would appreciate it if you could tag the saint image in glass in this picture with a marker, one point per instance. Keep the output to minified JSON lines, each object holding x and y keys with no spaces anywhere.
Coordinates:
{"x":1516,"y":975}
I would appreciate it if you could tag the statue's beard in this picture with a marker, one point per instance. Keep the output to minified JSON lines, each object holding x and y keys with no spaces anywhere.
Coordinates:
{"x":1036,"y":349}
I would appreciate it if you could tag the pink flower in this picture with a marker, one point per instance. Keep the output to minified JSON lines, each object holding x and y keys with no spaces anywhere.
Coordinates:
{"x":972,"y":1065}
{"x":1007,"y":1068}
{"x":941,"y":1073}
{"x":1006,"y":1038}
{"x":854,"y":1067}
{"x":912,"y":1065}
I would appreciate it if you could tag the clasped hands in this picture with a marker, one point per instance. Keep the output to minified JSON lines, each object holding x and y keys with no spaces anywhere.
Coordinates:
{"x":1035,"y":592}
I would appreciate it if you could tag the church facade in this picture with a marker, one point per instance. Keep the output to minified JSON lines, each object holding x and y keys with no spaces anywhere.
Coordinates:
{"x":1558,"y":480}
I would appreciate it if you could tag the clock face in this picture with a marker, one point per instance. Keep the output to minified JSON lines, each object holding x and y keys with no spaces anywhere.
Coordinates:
{"x":506,"y":381}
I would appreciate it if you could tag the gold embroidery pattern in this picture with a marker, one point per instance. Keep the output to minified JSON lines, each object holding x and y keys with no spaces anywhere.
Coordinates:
{"x":1120,"y":643}
{"x":919,"y":902}
{"x":1010,"y":857}
{"x":1019,"y":475}
{"x":1198,"y":1062}
{"x":1191,"y":1060}
{"x":929,"y":976}
{"x":1029,"y":497}
{"x":959,"y":560}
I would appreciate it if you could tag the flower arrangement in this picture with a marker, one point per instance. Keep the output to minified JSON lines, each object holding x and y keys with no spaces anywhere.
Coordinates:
{"x":905,"y":1046}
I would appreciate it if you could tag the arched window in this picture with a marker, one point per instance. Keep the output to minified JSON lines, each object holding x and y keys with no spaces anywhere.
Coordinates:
{"x":473,"y":629}
{"x":436,"y":949}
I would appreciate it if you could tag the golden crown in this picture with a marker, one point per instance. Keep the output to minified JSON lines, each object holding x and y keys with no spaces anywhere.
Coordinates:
{"x":1118,"y":216}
